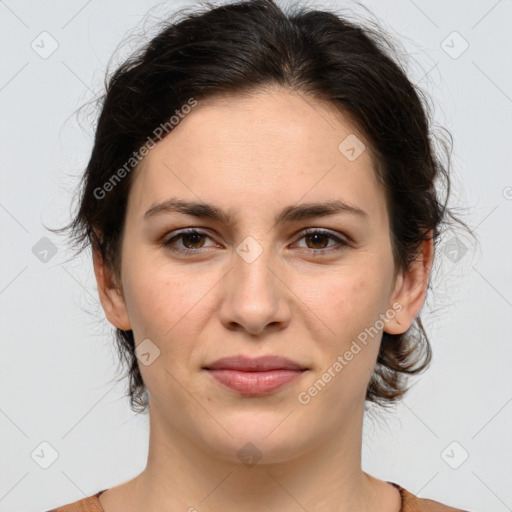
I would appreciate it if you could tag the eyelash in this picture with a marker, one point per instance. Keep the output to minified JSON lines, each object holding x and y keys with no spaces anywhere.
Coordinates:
{"x":309,"y":232}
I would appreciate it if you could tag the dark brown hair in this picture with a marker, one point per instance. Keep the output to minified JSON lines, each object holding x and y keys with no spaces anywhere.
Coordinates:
{"x":243,"y":46}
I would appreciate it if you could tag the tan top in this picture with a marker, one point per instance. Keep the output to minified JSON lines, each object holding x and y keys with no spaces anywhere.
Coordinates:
{"x":410,"y":503}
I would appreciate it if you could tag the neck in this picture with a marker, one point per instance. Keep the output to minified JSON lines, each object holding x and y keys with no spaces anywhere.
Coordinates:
{"x":182,"y":474}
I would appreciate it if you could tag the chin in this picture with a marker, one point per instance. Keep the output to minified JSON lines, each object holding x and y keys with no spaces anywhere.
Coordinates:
{"x":254,"y":438}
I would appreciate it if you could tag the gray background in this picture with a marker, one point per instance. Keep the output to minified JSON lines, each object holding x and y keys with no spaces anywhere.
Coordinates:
{"x":57,"y":362}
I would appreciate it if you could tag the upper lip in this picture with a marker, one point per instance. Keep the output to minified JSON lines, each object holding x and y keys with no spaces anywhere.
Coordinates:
{"x":254,"y":364}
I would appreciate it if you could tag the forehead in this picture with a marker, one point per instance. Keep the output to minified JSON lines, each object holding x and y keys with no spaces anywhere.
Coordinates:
{"x":271,"y":122}
{"x":259,"y":150}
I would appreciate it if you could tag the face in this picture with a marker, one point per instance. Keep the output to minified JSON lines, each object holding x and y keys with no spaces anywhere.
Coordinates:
{"x":316,"y":289}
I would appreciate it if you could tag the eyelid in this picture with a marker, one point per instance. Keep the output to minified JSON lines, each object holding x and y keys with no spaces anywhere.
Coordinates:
{"x":341,"y":239}
{"x":328,"y":232}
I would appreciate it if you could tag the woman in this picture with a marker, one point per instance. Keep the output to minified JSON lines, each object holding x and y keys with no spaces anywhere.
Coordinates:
{"x":261,"y":206}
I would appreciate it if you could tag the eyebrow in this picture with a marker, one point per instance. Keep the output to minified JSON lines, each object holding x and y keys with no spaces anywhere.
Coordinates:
{"x":288,"y":214}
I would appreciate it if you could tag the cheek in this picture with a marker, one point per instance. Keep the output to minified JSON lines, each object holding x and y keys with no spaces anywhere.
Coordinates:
{"x":352,"y":310}
{"x":165,"y":302}
{"x":353,"y":302}
{"x":168,"y":311}
{"x":353,"y":305}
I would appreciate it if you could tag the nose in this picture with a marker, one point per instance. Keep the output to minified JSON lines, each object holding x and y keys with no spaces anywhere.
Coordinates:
{"x":255,"y":296}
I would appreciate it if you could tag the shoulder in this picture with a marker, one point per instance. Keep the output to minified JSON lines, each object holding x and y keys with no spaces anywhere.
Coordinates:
{"x":411,"y":503}
{"x":89,"y":504}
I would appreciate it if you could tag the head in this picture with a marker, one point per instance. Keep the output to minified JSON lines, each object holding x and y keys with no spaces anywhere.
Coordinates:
{"x":268,"y":122}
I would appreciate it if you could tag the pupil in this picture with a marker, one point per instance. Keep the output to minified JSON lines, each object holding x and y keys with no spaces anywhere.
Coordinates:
{"x":193,"y":236}
{"x":316,"y":237}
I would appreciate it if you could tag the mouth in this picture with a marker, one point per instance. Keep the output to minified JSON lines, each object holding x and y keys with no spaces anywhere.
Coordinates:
{"x":255,"y":376}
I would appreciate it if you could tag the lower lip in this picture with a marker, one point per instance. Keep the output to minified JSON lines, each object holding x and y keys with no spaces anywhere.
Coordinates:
{"x":255,"y":383}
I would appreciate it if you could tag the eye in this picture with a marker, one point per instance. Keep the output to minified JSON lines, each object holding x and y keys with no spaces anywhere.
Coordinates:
{"x":193,"y":241}
{"x":318,"y":237}
{"x":192,"y":238}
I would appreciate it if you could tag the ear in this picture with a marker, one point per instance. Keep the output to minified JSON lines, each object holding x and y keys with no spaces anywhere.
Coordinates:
{"x":410,"y":289}
{"x":111,"y":296}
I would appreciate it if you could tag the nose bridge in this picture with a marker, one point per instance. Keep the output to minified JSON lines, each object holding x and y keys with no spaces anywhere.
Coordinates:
{"x":251,"y":268}
{"x":254,"y":296}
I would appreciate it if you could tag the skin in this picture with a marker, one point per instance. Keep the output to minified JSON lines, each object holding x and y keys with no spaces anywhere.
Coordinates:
{"x":251,"y":156}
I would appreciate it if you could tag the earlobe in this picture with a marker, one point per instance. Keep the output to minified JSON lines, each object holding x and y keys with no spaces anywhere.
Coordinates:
{"x":111,"y":297}
{"x":410,"y":290}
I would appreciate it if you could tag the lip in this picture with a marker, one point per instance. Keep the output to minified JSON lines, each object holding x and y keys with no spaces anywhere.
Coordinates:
{"x":255,"y":376}
{"x":255,"y":364}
